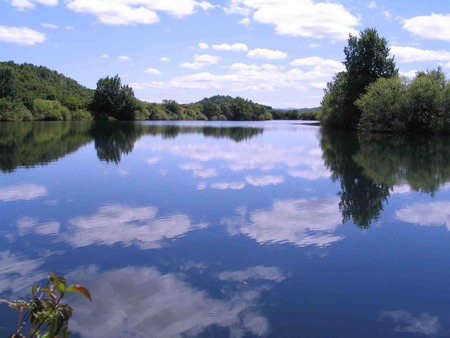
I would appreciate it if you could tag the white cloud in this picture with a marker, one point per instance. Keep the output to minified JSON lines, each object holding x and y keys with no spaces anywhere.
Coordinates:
{"x":21,"y":35}
{"x":69,"y":28}
{"x":314,"y":45}
{"x":434,"y":26}
{"x":264,"y":180}
{"x":235,"y":47}
{"x":123,"y":58}
{"x":262,"y":53}
{"x":426,"y":214}
{"x":304,"y":18}
{"x":228,"y":185}
{"x":164,"y":59}
{"x":28,"y":4}
{"x":49,"y":25}
{"x":241,"y":77}
{"x":153,"y":71}
{"x":169,"y":307}
{"x":104,"y":56}
{"x":423,"y":323}
{"x":245,"y":21}
{"x":203,"y":45}
{"x":153,"y":160}
{"x":413,"y":54}
{"x":301,"y":222}
{"x":128,"y":226}
{"x":201,"y":61}
{"x":23,"y":192}
{"x":128,"y":12}
{"x":372,"y":5}
{"x":198,"y":170}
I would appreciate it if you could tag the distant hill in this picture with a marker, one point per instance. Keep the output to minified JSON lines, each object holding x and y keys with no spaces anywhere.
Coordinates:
{"x":32,"y":91}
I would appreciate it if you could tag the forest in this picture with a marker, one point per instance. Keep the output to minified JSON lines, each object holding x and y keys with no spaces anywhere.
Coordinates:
{"x":371,"y":96}
{"x":29,"y":92}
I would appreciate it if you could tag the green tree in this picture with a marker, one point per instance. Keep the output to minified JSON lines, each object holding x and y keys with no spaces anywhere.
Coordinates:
{"x":366,"y":60}
{"x":112,"y":99}
{"x":8,"y":87}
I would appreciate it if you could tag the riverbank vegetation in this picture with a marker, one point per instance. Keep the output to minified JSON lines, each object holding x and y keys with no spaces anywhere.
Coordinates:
{"x":370,"y":96}
{"x":29,"y":92}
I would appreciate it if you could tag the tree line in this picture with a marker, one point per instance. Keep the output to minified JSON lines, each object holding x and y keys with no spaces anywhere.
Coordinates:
{"x":370,"y":96}
{"x":29,"y":92}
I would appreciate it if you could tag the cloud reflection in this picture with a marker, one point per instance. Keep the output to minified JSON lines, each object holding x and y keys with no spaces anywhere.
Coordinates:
{"x":23,"y":192}
{"x":142,"y":302}
{"x":17,"y":274}
{"x":301,"y":162}
{"x":301,"y":222}
{"x":114,"y":224}
{"x":426,"y":214}
{"x":423,"y":323}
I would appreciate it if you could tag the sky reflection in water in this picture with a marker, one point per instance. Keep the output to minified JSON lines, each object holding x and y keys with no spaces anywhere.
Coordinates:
{"x":237,"y":229}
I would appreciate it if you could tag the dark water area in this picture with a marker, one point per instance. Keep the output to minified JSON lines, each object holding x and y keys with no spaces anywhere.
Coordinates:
{"x":258,"y":229}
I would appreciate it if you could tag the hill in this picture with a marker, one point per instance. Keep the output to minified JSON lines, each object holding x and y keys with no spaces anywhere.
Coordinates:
{"x":29,"y":92}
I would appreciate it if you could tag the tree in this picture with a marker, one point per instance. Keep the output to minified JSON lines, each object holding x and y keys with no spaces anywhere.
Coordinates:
{"x":366,"y":60}
{"x":8,"y":87}
{"x":112,"y":99}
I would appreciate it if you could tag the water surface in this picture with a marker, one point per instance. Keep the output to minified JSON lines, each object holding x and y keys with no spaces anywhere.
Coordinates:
{"x":271,"y":229}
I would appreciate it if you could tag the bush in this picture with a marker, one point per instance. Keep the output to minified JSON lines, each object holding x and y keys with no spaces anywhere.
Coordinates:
{"x":49,"y":110}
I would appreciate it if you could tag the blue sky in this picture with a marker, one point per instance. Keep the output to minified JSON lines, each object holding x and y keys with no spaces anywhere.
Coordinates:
{"x":276,"y":52}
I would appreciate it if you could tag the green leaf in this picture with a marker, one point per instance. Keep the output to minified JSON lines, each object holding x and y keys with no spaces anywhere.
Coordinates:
{"x":80,"y":289}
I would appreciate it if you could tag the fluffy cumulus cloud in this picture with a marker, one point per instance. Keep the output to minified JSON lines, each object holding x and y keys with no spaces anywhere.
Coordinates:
{"x":305,"y":18}
{"x":119,"y":224}
{"x":128,"y":12}
{"x":169,"y":306}
{"x":21,"y":35}
{"x":241,"y":77}
{"x":263,"y":53}
{"x":412,"y":54}
{"x":201,"y":61}
{"x":235,"y":47}
{"x":424,"y":323}
{"x":426,"y":214}
{"x":22,"y":192}
{"x":27,"y":4}
{"x":434,"y":26}
{"x":300,"y":222}
{"x":153,"y":71}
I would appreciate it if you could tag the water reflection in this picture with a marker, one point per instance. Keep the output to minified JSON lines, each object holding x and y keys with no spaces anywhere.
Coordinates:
{"x":37,"y":143}
{"x":143,"y":302}
{"x":300,"y":222}
{"x":423,"y":324}
{"x":370,"y":168}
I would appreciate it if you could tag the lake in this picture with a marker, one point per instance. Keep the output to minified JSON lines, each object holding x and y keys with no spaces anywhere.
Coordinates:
{"x":258,"y":229}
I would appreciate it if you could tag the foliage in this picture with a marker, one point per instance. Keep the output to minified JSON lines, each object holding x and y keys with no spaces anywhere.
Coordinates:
{"x":397,"y":105}
{"x":45,"y":312}
{"x":21,"y":84}
{"x":112,"y":99}
{"x":310,"y":114}
{"x":366,"y":60}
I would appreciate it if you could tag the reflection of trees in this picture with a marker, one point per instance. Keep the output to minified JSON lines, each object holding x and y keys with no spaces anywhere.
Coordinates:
{"x":368,"y":166}
{"x":113,"y":139}
{"x":235,"y":133}
{"x":423,"y":162}
{"x":37,"y":143}
{"x":361,"y":197}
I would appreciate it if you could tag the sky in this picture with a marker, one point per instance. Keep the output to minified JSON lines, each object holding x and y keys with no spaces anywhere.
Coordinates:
{"x":275,"y":52}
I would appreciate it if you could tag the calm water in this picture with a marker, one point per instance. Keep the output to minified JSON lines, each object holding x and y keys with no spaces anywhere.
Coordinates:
{"x":271,"y":229}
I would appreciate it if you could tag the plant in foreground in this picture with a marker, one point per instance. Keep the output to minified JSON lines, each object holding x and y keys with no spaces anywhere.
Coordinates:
{"x":45,"y":313}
